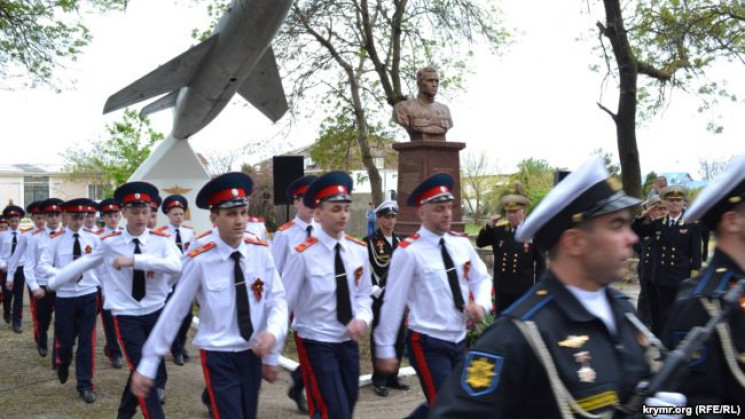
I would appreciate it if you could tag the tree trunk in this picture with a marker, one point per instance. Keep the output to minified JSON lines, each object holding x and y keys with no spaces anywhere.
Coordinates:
{"x":625,"y":118}
{"x":376,"y":184}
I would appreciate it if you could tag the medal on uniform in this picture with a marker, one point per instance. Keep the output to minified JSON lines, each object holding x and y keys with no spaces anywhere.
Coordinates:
{"x":357,"y":276}
{"x":574,"y":341}
{"x":258,"y":288}
{"x":585,"y":373}
{"x":149,"y":274}
{"x":380,"y":245}
{"x":88,"y":249}
{"x":466,"y":269}
{"x":526,"y":246}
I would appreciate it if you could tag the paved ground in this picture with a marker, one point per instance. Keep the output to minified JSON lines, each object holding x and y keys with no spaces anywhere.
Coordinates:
{"x":30,"y":389}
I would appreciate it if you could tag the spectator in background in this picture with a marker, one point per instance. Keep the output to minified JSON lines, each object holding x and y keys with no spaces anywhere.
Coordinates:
{"x":659,"y":184}
{"x":370,"y":215}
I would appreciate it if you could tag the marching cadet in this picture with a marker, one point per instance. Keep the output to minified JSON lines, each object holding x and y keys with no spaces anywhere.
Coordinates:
{"x":138,"y":263}
{"x":3,"y":223}
{"x":256,"y":226}
{"x":715,"y":375}
{"x":76,"y":301}
{"x":110,"y":211}
{"x":325,"y":278}
{"x":12,"y":240}
{"x":287,"y":236}
{"x":89,"y":222}
{"x":571,"y":326}
{"x":380,"y":247}
{"x":677,"y":252}
{"x":432,"y":272}
{"x":517,"y":266}
{"x":152,"y":222}
{"x":42,"y":298}
{"x":243,"y":319}
{"x":174,"y":207}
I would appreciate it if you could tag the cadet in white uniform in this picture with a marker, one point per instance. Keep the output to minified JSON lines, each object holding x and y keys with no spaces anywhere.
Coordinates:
{"x":138,"y":262}
{"x":12,"y":240}
{"x":110,"y":214}
{"x":432,"y":273}
{"x":328,"y":290}
{"x":243,"y":312}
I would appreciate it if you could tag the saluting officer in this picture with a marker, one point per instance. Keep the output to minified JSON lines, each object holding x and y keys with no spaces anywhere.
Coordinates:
{"x":42,"y":301}
{"x":715,"y":374}
{"x":110,"y":211}
{"x":242,"y":306}
{"x":517,"y":266}
{"x":380,"y":247}
{"x":677,"y":252}
{"x":571,"y":326}
{"x":326,"y":280}
{"x":287,"y":236}
{"x":76,"y":301}
{"x":432,"y":272}
{"x":138,"y":262}
{"x":12,"y":240}
{"x":645,"y":249}
{"x":174,"y":207}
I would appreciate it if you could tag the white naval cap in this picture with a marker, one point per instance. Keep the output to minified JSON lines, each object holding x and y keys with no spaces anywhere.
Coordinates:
{"x":387,"y":207}
{"x":720,"y":196}
{"x":586,"y":193}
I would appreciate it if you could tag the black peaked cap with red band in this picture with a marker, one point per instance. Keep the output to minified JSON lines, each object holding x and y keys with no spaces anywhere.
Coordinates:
{"x":298,"y":188}
{"x":78,"y":206}
{"x":436,"y":188}
{"x":109,"y":205}
{"x":226,"y":191}
{"x":35,"y":208}
{"x":331,"y":187}
{"x":174,"y":201}
{"x":13,"y":211}
{"x":52,"y":205}
{"x":137,"y":194}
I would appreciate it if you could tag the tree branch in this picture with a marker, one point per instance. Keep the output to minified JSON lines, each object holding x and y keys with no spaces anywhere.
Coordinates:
{"x":613,"y":116}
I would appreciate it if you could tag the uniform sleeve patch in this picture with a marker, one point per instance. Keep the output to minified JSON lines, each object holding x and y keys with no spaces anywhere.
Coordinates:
{"x":200,"y":250}
{"x":481,"y":373}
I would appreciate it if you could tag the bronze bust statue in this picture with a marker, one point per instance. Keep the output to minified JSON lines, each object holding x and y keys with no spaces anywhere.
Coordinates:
{"x":423,"y":118}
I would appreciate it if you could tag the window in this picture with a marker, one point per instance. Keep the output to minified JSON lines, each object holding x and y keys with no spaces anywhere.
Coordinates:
{"x":35,"y":188}
{"x":379,"y":162}
{"x":308,"y":162}
{"x":96,"y":192}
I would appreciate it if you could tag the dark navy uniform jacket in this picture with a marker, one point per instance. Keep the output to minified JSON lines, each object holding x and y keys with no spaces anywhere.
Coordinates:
{"x":709,"y":380}
{"x":516,"y":265}
{"x":380,"y":251}
{"x":503,"y":378}
{"x":676,"y":249}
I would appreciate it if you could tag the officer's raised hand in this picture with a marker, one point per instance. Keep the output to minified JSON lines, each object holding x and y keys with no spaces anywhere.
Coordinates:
{"x":140,"y":384}
{"x":356,"y":329}
{"x":494,"y":220}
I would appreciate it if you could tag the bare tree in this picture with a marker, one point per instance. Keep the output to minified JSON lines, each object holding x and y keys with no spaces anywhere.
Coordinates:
{"x":711,"y":168}
{"x":478,"y":176}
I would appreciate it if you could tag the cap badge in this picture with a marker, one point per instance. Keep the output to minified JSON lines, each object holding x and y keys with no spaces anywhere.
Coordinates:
{"x":340,"y":188}
{"x":80,"y":207}
{"x":137,"y":195}
{"x":234,"y":192}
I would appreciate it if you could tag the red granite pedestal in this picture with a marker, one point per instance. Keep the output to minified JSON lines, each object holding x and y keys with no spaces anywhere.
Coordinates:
{"x":418,"y":160}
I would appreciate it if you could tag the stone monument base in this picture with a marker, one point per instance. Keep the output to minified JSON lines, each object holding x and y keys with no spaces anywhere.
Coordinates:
{"x":418,"y":160}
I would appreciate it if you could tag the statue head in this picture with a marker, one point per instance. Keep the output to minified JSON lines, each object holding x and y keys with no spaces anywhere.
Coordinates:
{"x":428,"y":81}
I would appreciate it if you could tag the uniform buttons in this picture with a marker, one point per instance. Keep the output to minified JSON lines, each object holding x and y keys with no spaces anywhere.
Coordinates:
{"x":504,"y":270}
{"x":673,"y":249}
{"x":663,"y":247}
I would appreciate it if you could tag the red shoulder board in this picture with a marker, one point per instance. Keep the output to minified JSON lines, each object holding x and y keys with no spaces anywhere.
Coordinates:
{"x":355,"y":239}
{"x":112,"y":234}
{"x":286,"y":225}
{"x":26,"y":230}
{"x":200,"y":250}
{"x":100,"y":230}
{"x":407,"y":241}
{"x":203,"y":234}
{"x":457,"y":234}
{"x":251,"y":240}
{"x":41,"y":230}
{"x":159,"y":233}
{"x":306,"y":244}
{"x":161,"y":228}
{"x":57,"y":233}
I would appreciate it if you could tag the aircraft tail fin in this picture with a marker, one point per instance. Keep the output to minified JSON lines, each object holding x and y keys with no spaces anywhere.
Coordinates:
{"x":263,"y":88}
{"x":168,"y":77}
{"x":167,"y":101}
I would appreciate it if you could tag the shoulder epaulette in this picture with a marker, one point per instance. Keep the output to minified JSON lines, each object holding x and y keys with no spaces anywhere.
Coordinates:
{"x":286,"y":225}
{"x":112,"y":234}
{"x":407,"y":241}
{"x":161,"y":228}
{"x":57,"y":233}
{"x":200,"y":250}
{"x":159,"y":233}
{"x":100,"y":230}
{"x":713,"y":281}
{"x":356,"y":240}
{"x":457,"y":234}
{"x":41,"y":230}
{"x":26,"y":230}
{"x":203,"y":234}
{"x":502,"y":223}
{"x":187,"y":226}
{"x":306,"y":244}
{"x":256,"y":219}
{"x":529,"y":304}
{"x":251,"y":240}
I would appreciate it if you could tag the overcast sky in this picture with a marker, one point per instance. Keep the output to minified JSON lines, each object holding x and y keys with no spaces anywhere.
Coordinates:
{"x":536,"y":100}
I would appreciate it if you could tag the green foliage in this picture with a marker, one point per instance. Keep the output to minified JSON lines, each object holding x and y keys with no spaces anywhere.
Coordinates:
{"x":536,"y":177}
{"x":336,"y":148}
{"x":111,"y":161}
{"x":648,"y":183}
{"x":35,"y":34}
{"x":610,"y":162}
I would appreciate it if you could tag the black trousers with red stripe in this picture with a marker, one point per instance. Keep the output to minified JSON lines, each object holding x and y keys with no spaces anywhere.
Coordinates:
{"x":132,"y":332}
{"x":76,"y":318}
{"x":233,"y":380}
{"x":112,"y":346}
{"x":179,"y":343}
{"x":331,"y":372}
{"x":13,"y":300}
{"x":379,"y":378}
{"x":433,"y":360}
{"x":41,"y":315}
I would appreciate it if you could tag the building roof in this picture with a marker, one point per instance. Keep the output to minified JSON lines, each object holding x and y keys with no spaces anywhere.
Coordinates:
{"x":22,"y":169}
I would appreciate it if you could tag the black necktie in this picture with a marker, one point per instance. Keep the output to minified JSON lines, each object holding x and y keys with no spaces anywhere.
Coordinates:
{"x":13,"y":244}
{"x":343,"y":305}
{"x":138,"y":277}
{"x":452,"y":276}
{"x":178,"y":241}
{"x":241,"y":299}
{"x":309,"y":230}
{"x":76,"y":252}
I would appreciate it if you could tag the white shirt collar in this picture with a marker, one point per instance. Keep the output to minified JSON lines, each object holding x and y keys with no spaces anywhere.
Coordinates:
{"x":328,"y":241}
{"x":303,"y":225}
{"x":225,"y":250}
{"x":143,"y":237}
{"x":430,"y":236}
